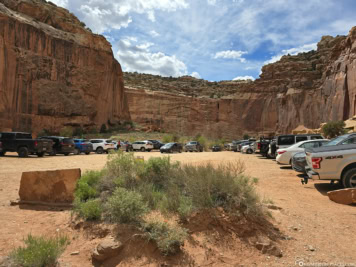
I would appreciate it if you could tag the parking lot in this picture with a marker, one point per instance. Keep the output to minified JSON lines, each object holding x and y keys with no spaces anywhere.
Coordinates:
{"x":318,"y":230}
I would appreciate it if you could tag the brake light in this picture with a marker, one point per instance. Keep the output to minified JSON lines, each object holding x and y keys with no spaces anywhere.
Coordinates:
{"x":258,"y":145}
{"x":281,"y":152}
{"x":316,"y":162}
{"x":36,"y":143}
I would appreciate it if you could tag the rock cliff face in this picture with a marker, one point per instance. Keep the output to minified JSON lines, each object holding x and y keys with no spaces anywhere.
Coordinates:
{"x":306,"y":89}
{"x":54,"y":72}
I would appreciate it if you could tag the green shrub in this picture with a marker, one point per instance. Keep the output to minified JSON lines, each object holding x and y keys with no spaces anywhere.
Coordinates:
{"x":167,"y":138}
{"x":86,"y":185}
{"x":246,"y":137}
{"x":204,"y":142}
{"x":125,"y":206}
{"x":333,"y":129}
{"x":90,"y":210}
{"x":169,"y":238}
{"x":103,"y":128}
{"x":66,"y":131}
{"x":39,"y":251}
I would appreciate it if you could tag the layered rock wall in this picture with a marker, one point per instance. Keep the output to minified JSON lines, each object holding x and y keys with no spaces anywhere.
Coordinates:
{"x":54,"y":72}
{"x":306,"y":89}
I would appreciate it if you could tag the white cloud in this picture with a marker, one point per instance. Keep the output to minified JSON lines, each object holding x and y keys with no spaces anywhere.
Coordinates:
{"x":106,"y":15}
{"x":243,"y":78}
{"x":195,"y":75}
{"x":231,"y":54}
{"x":292,"y":51}
{"x":211,"y":2}
{"x":154,"y":34}
{"x":138,"y":57}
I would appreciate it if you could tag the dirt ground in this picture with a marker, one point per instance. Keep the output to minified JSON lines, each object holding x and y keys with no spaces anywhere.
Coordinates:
{"x":318,"y":230}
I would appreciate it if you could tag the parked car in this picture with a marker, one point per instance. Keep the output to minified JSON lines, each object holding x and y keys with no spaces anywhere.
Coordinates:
{"x":237,"y":143}
{"x":23,"y":144}
{"x":248,"y":149}
{"x":61,"y":145}
{"x":156,"y":144}
{"x":171,"y":147}
{"x":216,"y":148}
{"x":241,"y":144}
{"x":193,"y":146}
{"x":126,"y":145}
{"x":142,"y":145}
{"x":284,"y":155}
{"x":82,"y":146}
{"x":102,"y":145}
{"x":334,"y":163}
{"x":116,"y":144}
{"x":284,"y":141}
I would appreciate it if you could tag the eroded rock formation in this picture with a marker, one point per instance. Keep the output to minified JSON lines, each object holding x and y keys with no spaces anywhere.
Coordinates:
{"x":54,"y":72}
{"x":306,"y":89}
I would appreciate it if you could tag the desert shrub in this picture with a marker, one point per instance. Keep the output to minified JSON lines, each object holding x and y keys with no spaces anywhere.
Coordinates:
{"x":125,"y":206}
{"x":66,"y":131}
{"x":78,"y":131}
{"x":169,"y":238}
{"x":204,"y":142}
{"x":86,"y":185}
{"x":167,"y":138}
{"x":39,"y":251}
{"x":333,"y":129}
{"x":245,"y":136}
{"x":90,"y":210}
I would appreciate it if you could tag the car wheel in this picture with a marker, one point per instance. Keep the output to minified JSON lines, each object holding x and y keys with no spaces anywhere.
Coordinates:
{"x":99,"y":150}
{"x":180,"y":151}
{"x":66,"y":154}
{"x":53,"y":153}
{"x":23,"y":152}
{"x":76,"y":151}
{"x":249,"y":151}
{"x":349,"y":179}
{"x":2,"y":153}
{"x":87,"y":153}
{"x":40,"y":154}
{"x":143,"y":149}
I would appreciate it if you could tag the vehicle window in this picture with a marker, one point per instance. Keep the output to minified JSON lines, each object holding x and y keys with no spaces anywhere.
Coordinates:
{"x":314,"y":137}
{"x":23,"y":136}
{"x":67,"y":141}
{"x":301,"y":138}
{"x":7,"y":136}
{"x":108,"y":141}
{"x":308,"y":145}
{"x":351,"y":140}
{"x":286,"y":140}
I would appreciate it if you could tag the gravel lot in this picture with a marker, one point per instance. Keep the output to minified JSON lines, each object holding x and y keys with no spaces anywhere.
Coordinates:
{"x":320,"y":231}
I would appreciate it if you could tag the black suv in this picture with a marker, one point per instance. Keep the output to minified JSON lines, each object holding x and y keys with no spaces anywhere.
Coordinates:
{"x":61,"y":145}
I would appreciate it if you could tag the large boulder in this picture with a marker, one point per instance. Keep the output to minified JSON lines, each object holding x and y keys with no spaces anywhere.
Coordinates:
{"x":345,"y":196}
{"x":49,"y":186}
{"x":106,"y":249}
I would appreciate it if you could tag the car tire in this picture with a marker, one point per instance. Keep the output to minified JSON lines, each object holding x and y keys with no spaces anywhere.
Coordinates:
{"x":99,"y":150}
{"x":143,"y":149}
{"x":180,"y":151}
{"x":53,"y":153}
{"x":66,"y":154}
{"x":40,"y":154}
{"x":87,"y":153}
{"x":349,"y":179}
{"x":2,"y":153}
{"x":22,"y":152}
{"x":248,"y":151}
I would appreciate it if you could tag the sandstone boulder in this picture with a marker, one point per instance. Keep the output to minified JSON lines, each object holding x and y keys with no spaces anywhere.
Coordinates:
{"x":345,"y":196}
{"x":49,"y":186}
{"x":108,"y":248}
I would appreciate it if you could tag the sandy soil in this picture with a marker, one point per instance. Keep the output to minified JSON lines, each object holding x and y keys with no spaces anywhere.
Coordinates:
{"x":319,"y":230}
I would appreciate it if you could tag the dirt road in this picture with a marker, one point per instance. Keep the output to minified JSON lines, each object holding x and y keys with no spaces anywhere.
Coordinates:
{"x":319,"y":230}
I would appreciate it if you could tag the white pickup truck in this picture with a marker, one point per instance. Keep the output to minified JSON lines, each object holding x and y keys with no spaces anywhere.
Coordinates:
{"x":336,"y":161}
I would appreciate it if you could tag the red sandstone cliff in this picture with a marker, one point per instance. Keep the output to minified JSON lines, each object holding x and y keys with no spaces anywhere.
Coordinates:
{"x":54,"y":72}
{"x":306,"y":89}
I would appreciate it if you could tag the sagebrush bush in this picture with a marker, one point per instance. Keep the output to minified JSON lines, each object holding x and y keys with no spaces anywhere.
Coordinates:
{"x":125,"y":206}
{"x":86,"y":185}
{"x":169,"y":238}
{"x":39,"y":251}
{"x":89,"y":210}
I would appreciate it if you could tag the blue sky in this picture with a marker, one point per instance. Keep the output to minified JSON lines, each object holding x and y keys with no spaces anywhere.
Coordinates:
{"x":211,"y":39}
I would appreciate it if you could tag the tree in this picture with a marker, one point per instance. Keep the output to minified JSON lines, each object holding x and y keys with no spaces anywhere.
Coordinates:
{"x":246,"y":137}
{"x":103,"y":128}
{"x":333,"y":129}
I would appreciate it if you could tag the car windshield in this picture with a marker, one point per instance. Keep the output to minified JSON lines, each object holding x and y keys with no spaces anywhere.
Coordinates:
{"x":192,"y":143}
{"x":337,"y":140}
{"x":169,"y":144}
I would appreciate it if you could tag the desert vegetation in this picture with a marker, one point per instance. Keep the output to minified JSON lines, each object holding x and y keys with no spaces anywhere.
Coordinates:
{"x":129,"y":191}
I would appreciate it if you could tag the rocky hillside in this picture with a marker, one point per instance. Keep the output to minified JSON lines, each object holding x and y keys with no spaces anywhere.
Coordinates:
{"x":54,"y":72}
{"x":308,"y":89}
